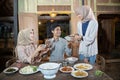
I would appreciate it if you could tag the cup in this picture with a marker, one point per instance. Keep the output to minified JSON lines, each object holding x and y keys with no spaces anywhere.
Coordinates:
{"x":64,"y":63}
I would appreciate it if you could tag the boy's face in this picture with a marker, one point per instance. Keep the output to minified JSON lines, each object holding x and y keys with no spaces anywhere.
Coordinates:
{"x":57,"y":31}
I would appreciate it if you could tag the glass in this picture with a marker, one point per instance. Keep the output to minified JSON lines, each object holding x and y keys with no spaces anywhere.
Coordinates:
{"x":64,"y":63}
{"x":49,"y":44}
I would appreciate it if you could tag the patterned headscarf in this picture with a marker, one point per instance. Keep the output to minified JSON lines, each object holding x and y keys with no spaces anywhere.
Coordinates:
{"x":86,"y":12}
{"x":24,"y":37}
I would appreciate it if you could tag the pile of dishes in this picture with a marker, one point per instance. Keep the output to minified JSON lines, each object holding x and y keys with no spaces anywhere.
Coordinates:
{"x":50,"y":69}
{"x":25,"y":70}
{"x":79,"y":70}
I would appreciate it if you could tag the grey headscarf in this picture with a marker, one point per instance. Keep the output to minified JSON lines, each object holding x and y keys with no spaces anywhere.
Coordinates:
{"x":24,"y":37}
{"x":86,"y":12}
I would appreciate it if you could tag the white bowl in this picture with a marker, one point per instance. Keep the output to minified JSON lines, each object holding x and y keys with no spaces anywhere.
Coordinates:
{"x":71,"y":60}
{"x":49,"y":69}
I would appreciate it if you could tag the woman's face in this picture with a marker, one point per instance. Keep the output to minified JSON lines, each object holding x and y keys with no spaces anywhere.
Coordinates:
{"x":57,"y":32}
{"x":32,"y":35}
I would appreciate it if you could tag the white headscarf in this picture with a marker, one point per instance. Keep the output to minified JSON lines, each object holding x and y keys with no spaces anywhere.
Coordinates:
{"x":24,"y":37}
{"x":86,"y":12}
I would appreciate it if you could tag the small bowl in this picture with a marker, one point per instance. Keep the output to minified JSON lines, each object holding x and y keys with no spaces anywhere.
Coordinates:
{"x":10,"y":70}
{"x":71,"y":60}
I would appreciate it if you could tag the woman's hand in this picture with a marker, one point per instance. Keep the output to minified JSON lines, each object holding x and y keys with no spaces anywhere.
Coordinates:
{"x":44,"y":51}
{"x":79,"y":18}
{"x":40,"y":48}
{"x":78,"y":37}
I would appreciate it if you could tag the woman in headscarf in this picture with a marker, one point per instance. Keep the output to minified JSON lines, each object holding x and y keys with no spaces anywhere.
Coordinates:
{"x":27,"y":50}
{"x":87,"y":27}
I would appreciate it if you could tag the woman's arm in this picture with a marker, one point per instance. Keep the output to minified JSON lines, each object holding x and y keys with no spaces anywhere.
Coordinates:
{"x":22,"y":54}
{"x":68,"y":47}
{"x":39,"y":51}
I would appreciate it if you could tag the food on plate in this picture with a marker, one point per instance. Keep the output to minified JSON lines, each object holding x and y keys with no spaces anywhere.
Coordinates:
{"x":83,"y":66}
{"x":66,"y":68}
{"x":10,"y":70}
{"x":80,"y":73}
{"x":28,"y":69}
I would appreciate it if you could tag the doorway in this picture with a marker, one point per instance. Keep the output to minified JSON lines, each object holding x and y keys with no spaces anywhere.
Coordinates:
{"x":45,"y":22}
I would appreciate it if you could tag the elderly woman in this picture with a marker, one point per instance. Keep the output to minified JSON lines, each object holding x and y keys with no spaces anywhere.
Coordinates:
{"x":26,"y":49}
{"x":87,"y":27}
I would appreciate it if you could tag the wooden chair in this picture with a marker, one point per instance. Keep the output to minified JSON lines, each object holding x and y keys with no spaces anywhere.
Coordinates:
{"x":12,"y":60}
{"x":100,"y":62}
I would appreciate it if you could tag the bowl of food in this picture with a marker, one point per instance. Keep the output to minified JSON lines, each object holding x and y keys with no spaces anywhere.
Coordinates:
{"x":28,"y":70}
{"x":71,"y":60}
{"x":10,"y":70}
{"x":49,"y":69}
{"x":66,"y":69}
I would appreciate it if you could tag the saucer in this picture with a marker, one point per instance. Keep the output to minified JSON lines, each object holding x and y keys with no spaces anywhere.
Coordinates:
{"x":49,"y":77}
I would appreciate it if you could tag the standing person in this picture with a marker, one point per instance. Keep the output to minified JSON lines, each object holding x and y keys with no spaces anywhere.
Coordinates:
{"x":26,"y":49}
{"x":59,"y":45}
{"x":87,"y":27}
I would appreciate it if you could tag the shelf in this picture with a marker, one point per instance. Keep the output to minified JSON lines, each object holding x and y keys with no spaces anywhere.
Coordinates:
{"x":108,"y":4}
{"x":109,"y":12}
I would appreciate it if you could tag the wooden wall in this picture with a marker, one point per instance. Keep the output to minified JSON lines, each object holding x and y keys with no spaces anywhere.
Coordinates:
{"x":29,"y":20}
{"x":107,"y":11}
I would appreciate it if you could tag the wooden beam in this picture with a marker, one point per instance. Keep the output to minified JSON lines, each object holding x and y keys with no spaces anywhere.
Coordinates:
{"x":15,"y":29}
{"x":112,"y":60}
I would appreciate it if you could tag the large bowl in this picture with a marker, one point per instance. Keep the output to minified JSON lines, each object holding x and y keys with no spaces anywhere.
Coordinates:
{"x":49,"y":69}
{"x":71,"y":60}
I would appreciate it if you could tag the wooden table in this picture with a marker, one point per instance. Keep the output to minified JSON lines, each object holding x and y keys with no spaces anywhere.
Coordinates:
{"x":59,"y":75}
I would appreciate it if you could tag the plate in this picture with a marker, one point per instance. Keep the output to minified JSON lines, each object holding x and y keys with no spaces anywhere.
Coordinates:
{"x":83,"y":66}
{"x":66,"y":69}
{"x":10,"y":70}
{"x":79,"y":74}
{"x":68,"y":38}
{"x":28,"y":70}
